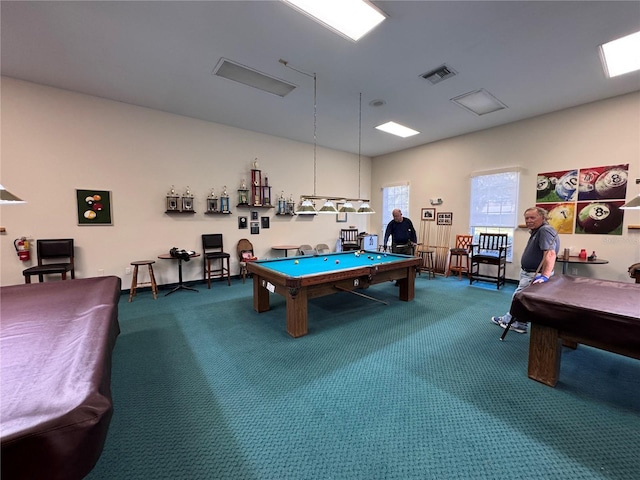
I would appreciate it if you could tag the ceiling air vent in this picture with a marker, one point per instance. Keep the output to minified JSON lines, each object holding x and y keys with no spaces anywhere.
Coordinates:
{"x":439,"y":74}
{"x":253,"y":78}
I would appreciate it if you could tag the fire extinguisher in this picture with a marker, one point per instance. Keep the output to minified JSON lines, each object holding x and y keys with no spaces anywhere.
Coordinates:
{"x":22,"y":248}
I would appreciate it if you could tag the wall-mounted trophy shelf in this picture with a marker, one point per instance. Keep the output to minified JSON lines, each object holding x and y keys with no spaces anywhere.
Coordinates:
{"x":217,"y":213}
{"x":180,"y":211}
{"x":254,"y":206}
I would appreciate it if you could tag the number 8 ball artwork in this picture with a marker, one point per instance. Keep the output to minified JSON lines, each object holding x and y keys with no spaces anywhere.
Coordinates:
{"x":599,"y":217}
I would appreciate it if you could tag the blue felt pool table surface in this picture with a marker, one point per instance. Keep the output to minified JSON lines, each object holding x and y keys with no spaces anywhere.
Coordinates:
{"x":332,"y":262}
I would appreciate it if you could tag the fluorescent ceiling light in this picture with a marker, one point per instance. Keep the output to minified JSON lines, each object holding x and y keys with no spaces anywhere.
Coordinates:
{"x":350,"y":18}
{"x":253,"y":78}
{"x":621,"y":56}
{"x":479,"y":102}
{"x":396,"y":129}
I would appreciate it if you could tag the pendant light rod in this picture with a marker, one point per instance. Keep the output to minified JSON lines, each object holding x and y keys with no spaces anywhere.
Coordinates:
{"x":315,"y":114}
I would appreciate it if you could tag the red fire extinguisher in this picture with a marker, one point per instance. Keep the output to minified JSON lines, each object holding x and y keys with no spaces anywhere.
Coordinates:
{"x":22,"y":248}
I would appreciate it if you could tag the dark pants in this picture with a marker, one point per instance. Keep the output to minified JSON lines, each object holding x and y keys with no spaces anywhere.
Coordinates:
{"x":404,"y":248}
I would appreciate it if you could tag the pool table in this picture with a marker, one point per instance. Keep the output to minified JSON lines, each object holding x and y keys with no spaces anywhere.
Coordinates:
{"x":300,"y":278}
{"x":570,"y":310}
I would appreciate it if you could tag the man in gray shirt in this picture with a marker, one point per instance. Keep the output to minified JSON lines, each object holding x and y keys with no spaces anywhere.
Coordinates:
{"x":538,"y":259}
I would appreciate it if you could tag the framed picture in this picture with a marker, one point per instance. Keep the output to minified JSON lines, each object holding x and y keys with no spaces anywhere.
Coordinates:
{"x":340,"y":217}
{"x":444,"y":218}
{"x":429,"y":214}
{"x":264,"y":221}
{"x":255,"y":228}
{"x":254,"y":215}
{"x":94,"y":207}
{"x":242,"y":222}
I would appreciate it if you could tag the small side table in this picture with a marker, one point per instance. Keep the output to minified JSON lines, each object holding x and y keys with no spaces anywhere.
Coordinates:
{"x":134,"y":279}
{"x":181,"y":285}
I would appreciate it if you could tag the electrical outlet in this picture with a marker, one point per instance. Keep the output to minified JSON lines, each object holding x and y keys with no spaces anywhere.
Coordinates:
{"x":101,"y":272}
{"x":127,"y":270}
{"x":574,"y":271}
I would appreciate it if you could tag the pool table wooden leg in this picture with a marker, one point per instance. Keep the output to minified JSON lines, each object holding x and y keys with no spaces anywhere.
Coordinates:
{"x":408,"y":285}
{"x":260,"y":295}
{"x":297,"y":312}
{"x":545,"y":349}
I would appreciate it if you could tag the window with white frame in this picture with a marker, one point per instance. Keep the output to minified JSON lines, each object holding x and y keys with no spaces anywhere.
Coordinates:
{"x":494,"y":205}
{"x":394,"y":196}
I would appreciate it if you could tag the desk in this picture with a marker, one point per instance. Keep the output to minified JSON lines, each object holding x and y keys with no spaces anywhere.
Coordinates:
{"x":578,"y":260}
{"x":57,"y":340}
{"x":181,"y":285}
{"x":285,"y":248}
{"x":313,"y":276}
{"x":600,"y":313}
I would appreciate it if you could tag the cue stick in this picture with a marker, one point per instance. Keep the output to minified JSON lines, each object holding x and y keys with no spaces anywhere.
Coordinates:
{"x":361,"y":295}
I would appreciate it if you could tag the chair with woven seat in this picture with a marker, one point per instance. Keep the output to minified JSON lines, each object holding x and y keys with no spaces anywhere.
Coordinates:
{"x":245,"y":255}
{"x":490,"y":251}
{"x":54,"y":250}
{"x":349,"y":239}
{"x":459,"y":256}
{"x":213,"y":250}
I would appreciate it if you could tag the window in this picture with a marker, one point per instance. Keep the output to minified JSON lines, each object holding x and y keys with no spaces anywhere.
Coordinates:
{"x":494,"y":205}
{"x":394,"y":196}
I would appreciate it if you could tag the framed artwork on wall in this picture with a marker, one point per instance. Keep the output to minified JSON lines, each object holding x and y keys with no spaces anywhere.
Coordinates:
{"x":94,"y":207}
{"x":429,"y":214}
{"x":255,"y":228}
{"x":242,"y":222}
{"x":264,"y":222}
{"x":444,"y":218}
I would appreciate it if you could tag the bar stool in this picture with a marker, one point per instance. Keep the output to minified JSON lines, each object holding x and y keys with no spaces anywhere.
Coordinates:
{"x":427,"y":263}
{"x":460,"y":254}
{"x":151,"y":282}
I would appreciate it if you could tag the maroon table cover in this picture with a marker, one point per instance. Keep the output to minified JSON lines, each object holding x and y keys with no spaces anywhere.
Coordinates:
{"x":56,"y":343}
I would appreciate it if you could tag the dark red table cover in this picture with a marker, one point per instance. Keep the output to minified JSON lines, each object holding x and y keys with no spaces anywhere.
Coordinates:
{"x":56,"y":344}
{"x":605,"y":311}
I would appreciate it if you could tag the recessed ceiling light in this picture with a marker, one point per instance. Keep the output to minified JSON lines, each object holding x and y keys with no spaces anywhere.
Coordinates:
{"x":397,"y":129}
{"x":479,"y":102}
{"x":352,"y":19}
{"x":621,"y":56}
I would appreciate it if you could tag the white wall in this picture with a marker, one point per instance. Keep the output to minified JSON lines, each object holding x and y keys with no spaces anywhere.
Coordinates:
{"x":596,"y":134}
{"x":55,"y":141}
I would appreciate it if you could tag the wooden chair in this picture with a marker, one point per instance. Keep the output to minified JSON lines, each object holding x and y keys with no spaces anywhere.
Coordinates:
{"x":322,"y":248}
{"x":459,"y":256}
{"x":307,"y":250}
{"x":213,"y":249}
{"x":349,"y":239}
{"x":245,"y":255}
{"x":54,"y":250}
{"x":491,"y":250}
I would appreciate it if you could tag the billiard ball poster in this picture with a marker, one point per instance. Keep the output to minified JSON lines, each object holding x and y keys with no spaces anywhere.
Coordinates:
{"x":586,"y":200}
{"x":94,"y":207}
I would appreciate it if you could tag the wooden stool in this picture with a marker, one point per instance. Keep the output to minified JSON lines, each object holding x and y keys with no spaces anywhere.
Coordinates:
{"x":427,"y":263}
{"x":134,"y":279}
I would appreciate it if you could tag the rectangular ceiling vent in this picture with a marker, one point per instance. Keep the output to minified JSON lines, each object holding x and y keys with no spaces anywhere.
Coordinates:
{"x":439,"y":74}
{"x":253,"y":78}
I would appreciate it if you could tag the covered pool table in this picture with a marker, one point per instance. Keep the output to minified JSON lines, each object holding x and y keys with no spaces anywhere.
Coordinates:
{"x":300,"y":278}
{"x":571,"y":310}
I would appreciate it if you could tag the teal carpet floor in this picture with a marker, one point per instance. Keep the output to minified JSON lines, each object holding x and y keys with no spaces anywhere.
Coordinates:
{"x":205,"y":388}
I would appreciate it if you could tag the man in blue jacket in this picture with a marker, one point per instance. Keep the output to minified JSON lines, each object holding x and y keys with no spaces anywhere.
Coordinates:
{"x":402,"y":233}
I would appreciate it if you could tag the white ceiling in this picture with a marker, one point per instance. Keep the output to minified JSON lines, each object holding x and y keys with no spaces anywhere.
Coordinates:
{"x":536,"y":57}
